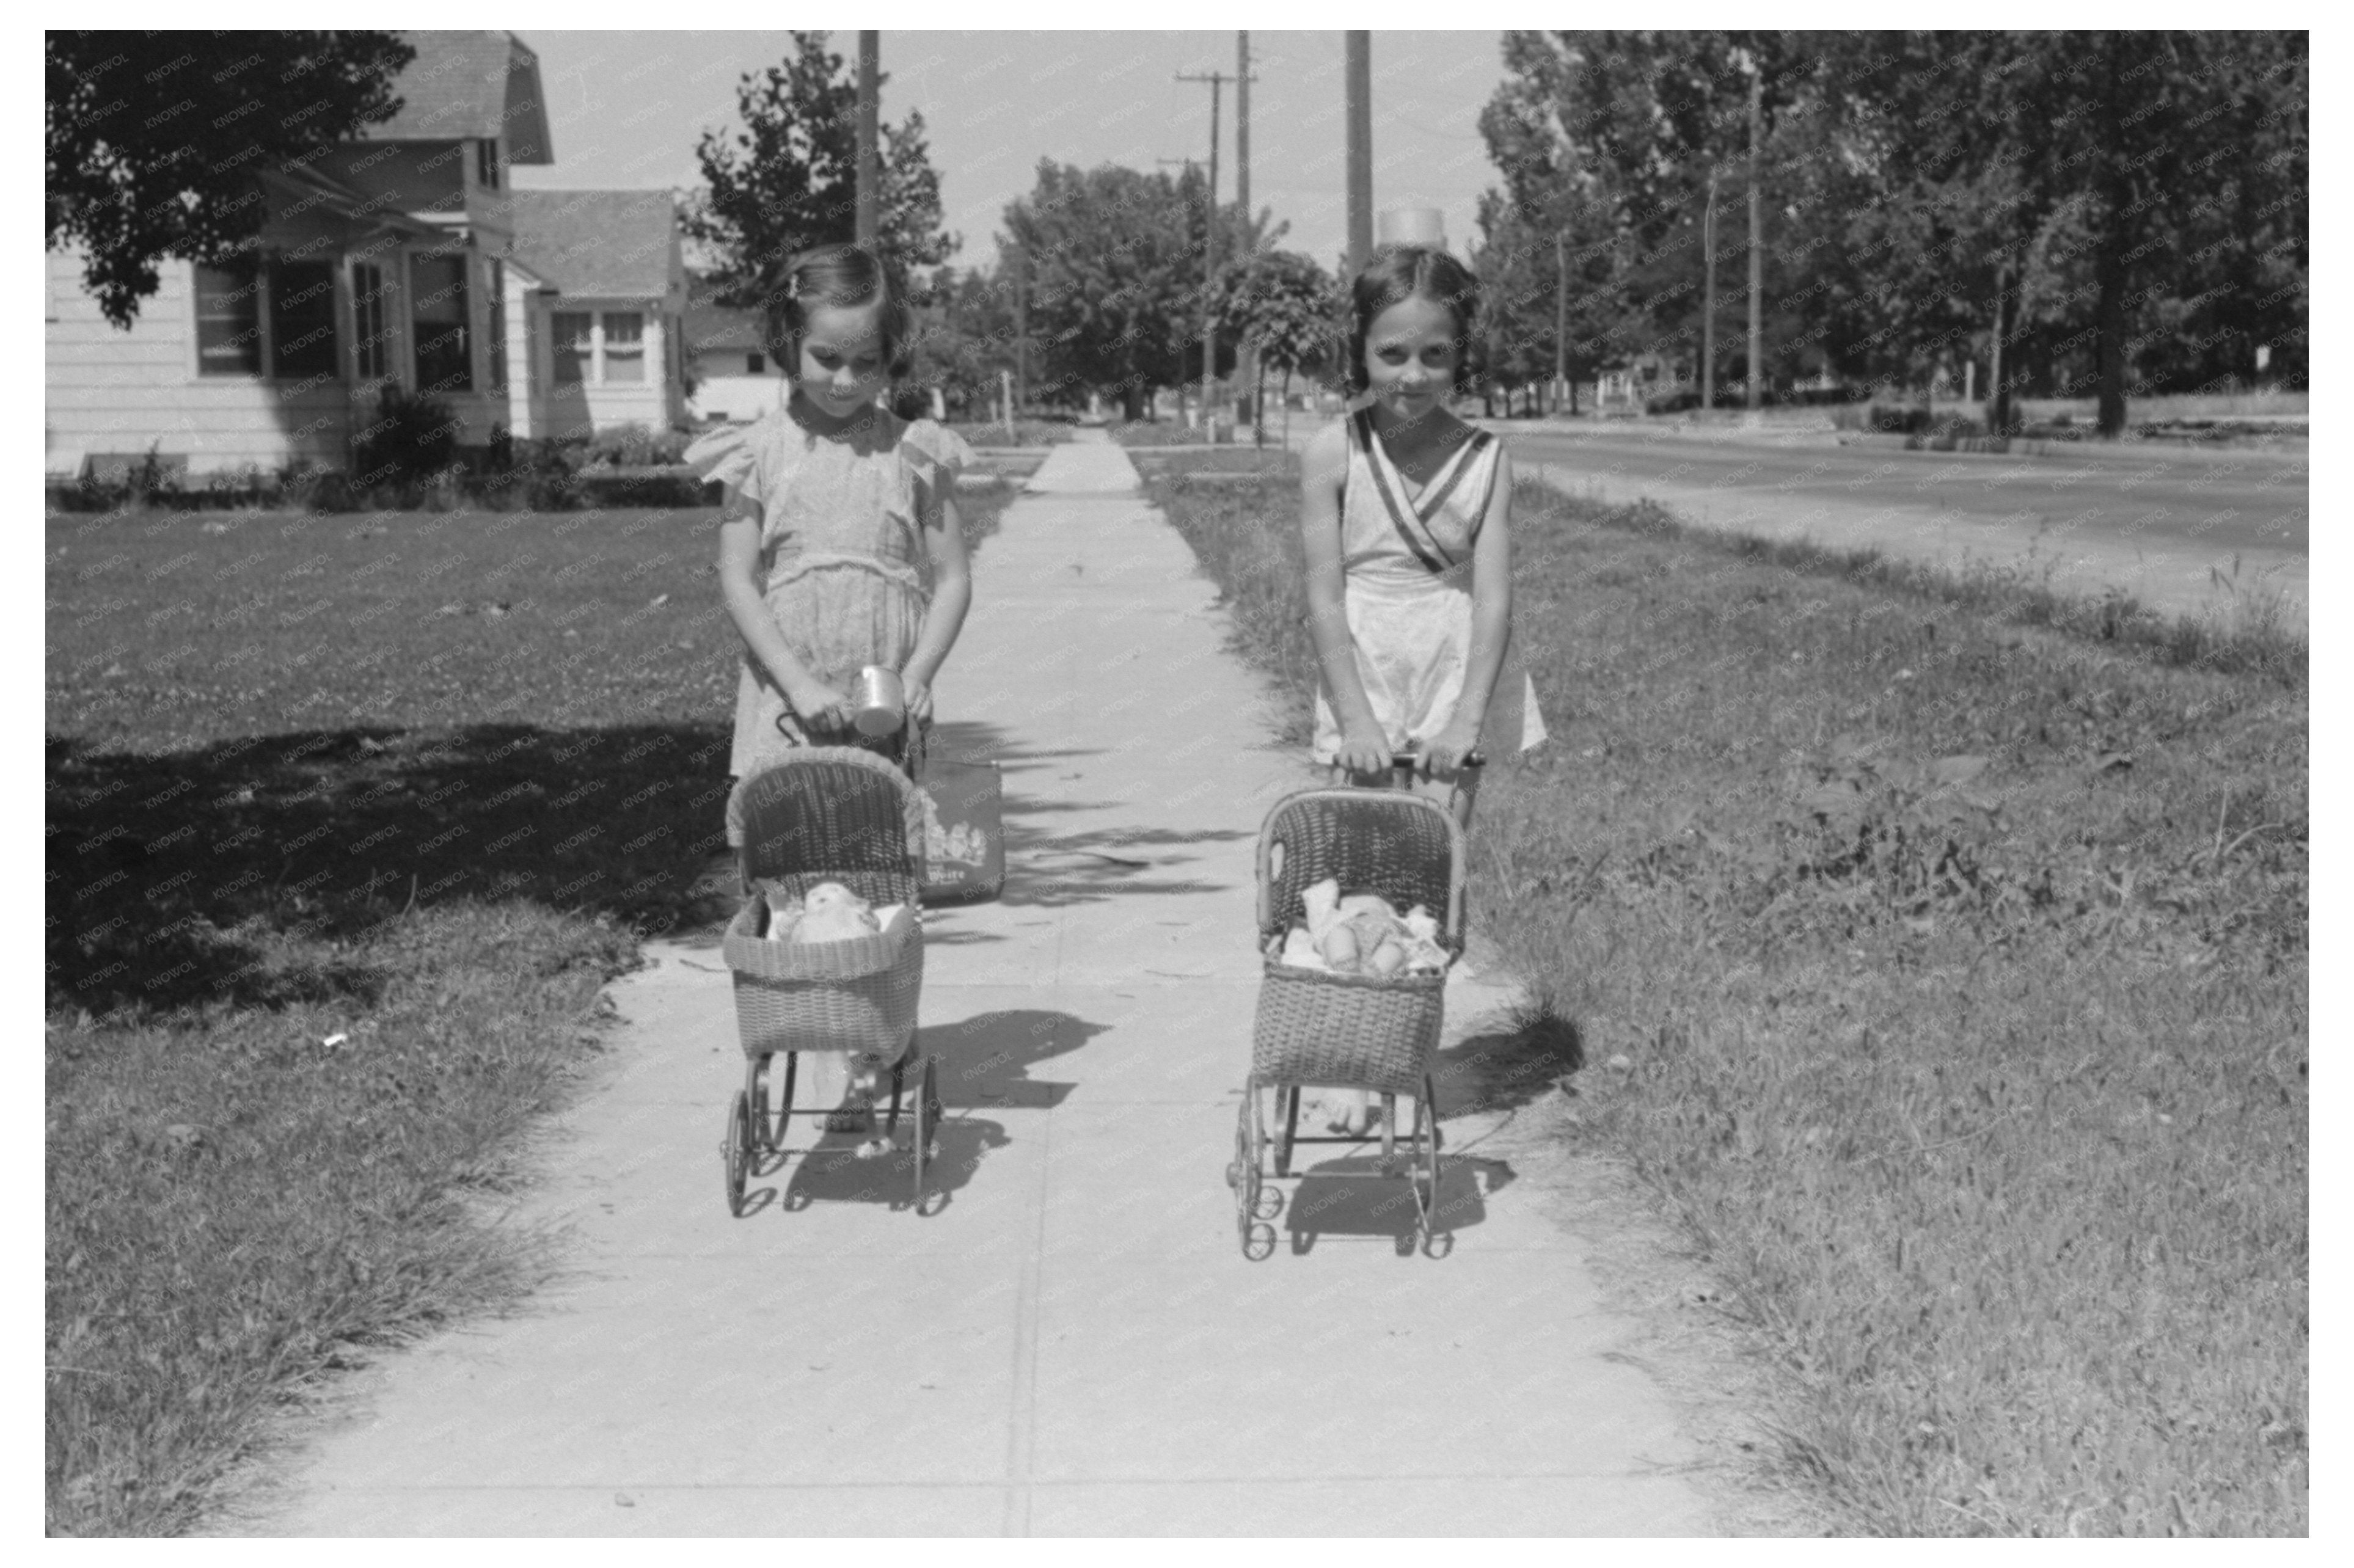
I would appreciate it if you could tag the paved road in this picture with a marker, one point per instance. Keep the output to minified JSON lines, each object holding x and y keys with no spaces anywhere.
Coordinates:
{"x":2160,"y":520}
{"x":1073,"y":1345}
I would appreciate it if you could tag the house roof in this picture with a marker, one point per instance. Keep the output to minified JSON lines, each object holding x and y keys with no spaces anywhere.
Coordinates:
{"x":307,"y":187}
{"x":596,"y":243}
{"x":714,"y":328}
{"x":470,"y":84}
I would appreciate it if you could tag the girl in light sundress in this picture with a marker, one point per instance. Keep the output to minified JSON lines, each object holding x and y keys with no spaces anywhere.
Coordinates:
{"x":1407,"y":518}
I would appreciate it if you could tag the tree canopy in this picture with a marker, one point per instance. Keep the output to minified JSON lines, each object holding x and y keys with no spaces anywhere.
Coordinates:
{"x":1115,"y":269}
{"x":155,"y":139}
{"x":785,"y":180}
{"x":2114,"y":211}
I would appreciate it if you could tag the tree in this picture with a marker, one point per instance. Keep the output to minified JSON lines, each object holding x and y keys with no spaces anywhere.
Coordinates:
{"x":967,"y":335}
{"x":1287,"y":309}
{"x":1614,"y":141}
{"x":787,"y":181}
{"x":156,"y":140}
{"x":2127,"y":204}
{"x":1115,"y":273}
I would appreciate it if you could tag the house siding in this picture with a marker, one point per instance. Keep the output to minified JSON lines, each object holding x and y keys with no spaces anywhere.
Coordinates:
{"x":110,"y":391}
{"x":576,"y":411}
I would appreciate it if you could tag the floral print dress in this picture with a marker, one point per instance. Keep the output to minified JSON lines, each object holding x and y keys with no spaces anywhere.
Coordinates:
{"x":846,"y":571}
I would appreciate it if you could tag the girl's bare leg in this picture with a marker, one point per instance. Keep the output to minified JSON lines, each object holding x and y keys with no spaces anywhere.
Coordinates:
{"x":829,"y":1085}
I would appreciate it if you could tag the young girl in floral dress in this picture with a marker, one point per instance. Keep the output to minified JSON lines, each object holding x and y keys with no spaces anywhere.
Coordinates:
{"x":840,"y":546}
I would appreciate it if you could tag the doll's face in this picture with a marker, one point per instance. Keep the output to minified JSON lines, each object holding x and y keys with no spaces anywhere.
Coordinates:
{"x":1410,"y":355}
{"x":842,"y":359}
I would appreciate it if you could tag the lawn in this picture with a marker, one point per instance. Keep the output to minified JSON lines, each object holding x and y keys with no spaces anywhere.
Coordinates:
{"x":1946,"y":978}
{"x":348,"y":819}
{"x":1020,"y":433}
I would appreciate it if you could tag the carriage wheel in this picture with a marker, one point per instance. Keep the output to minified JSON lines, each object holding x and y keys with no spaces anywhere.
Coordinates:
{"x":928,"y":1125}
{"x":764,"y":1136}
{"x":1425,"y":1177}
{"x":1246,"y":1173}
{"x":737,"y":1151}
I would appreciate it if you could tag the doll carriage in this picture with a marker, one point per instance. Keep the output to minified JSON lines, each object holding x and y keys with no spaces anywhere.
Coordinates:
{"x":827,"y":814}
{"x":1318,"y":1028}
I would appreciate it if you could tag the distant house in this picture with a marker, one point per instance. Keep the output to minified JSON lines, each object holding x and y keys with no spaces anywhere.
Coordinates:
{"x":403,"y":259}
{"x":597,"y":294}
{"x":729,"y":361}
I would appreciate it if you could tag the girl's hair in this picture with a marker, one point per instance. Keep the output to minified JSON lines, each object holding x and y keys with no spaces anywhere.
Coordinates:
{"x":846,"y":277}
{"x":1401,"y":272}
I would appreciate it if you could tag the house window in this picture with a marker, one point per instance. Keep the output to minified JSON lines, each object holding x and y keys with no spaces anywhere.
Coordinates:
{"x":373,"y":360}
{"x":625,"y":347}
{"x":569,"y":332}
{"x":437,"y":292}
{"x":302,"y":320}
{"x":486,"y":164}
{"x":756,"y":364}
{"x":498,"y":324}
{"x":229,"y":321}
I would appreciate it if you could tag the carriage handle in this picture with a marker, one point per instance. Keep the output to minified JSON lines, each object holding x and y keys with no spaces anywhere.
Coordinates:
{"x":1406,"y":756}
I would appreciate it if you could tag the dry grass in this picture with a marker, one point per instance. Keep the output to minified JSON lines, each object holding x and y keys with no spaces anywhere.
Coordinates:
{"x":1945,"y":978}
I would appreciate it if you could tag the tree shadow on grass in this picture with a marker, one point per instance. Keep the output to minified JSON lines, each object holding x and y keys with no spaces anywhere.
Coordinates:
{"x":188,"y":878}
{"x":215,"y":875}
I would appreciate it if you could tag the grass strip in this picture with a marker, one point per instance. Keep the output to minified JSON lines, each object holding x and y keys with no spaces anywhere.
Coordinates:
{"x":242,"y":1199}
{"x":348,"y":819}
{"x":1946,"y":980}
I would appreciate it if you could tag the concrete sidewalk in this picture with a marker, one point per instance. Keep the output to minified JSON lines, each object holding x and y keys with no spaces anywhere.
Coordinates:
{"x":1073,"y":1344}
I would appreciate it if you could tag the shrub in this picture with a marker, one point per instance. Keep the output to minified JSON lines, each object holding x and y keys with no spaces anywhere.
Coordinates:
{"x":636,"y":446}
{"x":413,"y":437}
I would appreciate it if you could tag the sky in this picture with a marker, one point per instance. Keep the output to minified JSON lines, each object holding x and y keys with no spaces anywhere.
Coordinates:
{"x":626,"y":109}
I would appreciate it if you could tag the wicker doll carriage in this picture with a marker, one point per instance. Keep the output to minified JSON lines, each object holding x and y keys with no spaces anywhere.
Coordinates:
{"x":827,"y":814}
{"x":1355,"y":1031}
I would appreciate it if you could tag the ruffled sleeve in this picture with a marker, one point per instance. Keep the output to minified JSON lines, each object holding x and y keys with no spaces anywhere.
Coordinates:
{"x":731,"y":454}
{"x":938,"y":455}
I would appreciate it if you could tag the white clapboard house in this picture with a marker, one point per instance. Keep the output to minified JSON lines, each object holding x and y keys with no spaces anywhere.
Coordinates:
{"x":402,"y":258}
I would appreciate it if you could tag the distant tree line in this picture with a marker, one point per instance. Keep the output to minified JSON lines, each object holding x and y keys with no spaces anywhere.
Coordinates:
{"x":2107,"y":214}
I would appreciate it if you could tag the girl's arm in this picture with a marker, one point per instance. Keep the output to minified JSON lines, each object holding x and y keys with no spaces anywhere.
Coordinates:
{"x":1324,"y":470}
{"x":952,"y":596}
{"x":739,"y":586}
{"x":1491,"y":627}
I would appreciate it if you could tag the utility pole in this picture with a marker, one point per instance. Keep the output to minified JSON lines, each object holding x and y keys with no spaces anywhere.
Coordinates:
{"x":1245,"y":367}
{"x":1559,"y":315}
{"x":870,"y":164}
{"x":1757,"y":252}
{"x":1996,"y":398}
{"x":1708,"y":300}
{"x":1210,"y":257}
{"x":1357,"y":48}
{"x":1020,"y":324}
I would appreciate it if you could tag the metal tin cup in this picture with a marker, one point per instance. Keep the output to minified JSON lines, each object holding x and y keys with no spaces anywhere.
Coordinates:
{"x":878,"y":702}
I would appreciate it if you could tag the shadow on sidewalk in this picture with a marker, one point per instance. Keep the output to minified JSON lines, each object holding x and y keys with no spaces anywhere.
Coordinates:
{"x":1049,"y":870}
{"x":985,"y":1061}
{"x":1349,"y":1196}
{"x":830,"y":1171}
